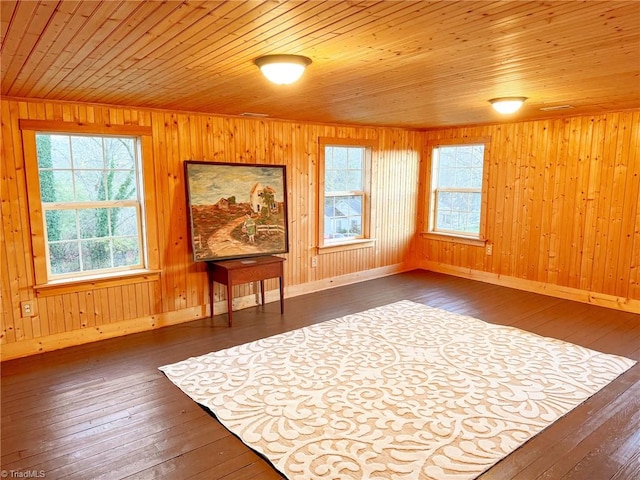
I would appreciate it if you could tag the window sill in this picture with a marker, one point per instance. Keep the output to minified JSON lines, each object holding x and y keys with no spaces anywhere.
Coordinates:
{"x":350,"y":245}
{"x":448,"y":237}
{"x":72,"y":285}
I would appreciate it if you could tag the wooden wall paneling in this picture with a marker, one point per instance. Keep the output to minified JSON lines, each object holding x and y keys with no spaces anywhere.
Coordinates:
{"x":159,"y":123}
{"x":309,"y":141}
{"x":116,"y":310}
{"x":16,"y":232}
{"x":537,"y":170}
{"x":128,"y":302}
{"x":517,"y":182}
{"x":281,"y":151}
{"x":58,"y":314}
{"x":195,"y":280}
{"x":627,"y":165}
{"x":571,"y":214}
{"x":566,"y":194}
{"x":69,"y":311}
{"x":142,"y":300}
{"x":152,"y":212}
{"x":495,"y":201}
{"x":181,"y":137}
{"x":545,"y":196}
{"x":85,"y":301}
{"x":606,"y":207}
{"x":531,"y":168}
{"x":10,"y":290}
{"x":297,"y":169}
{"x":621,"y":209}
{"x":6,"y":305}
{"x":580,"y":206}
{"x":592,"y":195}
{"x":559,"y":218}
{"x":164,"y":162}
{"x":507,"y":153}
{"x":303,"y":205}
{"x":104,"y":310}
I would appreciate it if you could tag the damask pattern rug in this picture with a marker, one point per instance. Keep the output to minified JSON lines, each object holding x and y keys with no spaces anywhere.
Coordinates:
{"x":403,"y":391}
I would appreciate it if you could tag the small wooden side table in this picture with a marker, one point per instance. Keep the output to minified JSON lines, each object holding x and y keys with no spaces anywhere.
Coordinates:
{"x":245,"y":270}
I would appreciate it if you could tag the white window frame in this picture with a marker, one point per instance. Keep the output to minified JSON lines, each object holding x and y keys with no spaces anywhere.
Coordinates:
{"x":147,"y":269}
{"x":434,"y":190}
{"x":364,"y":239}
{"x":78,"y":206}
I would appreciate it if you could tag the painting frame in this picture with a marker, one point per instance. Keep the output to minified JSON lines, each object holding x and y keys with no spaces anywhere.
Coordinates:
{"x":236,"y":210}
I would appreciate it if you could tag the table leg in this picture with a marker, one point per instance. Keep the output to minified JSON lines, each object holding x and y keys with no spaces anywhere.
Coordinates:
{"x":229,"y":303}
{"x":211,"y":300}
{"x":262,"y":291}
{"x":281,"y":295}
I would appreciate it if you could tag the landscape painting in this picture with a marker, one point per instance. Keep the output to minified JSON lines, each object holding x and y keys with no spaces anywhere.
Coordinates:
{"x":236,"y":210}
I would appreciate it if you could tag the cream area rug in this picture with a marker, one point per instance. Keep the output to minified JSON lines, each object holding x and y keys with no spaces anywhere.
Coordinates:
{"x":403,"y":392}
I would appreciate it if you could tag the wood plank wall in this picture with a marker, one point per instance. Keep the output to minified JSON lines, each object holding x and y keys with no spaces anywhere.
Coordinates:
{"x":179,"y":292}
{"x":563,"y":209}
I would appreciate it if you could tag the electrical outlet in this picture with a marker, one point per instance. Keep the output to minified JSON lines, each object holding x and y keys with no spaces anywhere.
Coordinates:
{"x":489,"y":249}
{"x":314,"y":261}
{"x":27,"y":309}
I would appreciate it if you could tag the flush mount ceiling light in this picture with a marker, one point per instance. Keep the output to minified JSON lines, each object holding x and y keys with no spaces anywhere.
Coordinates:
{"x":282,"y":69}
{"x":507,"y":104}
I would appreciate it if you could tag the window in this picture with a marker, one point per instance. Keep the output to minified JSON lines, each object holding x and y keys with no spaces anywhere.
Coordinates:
{"x":344,"y":192}
{"x":91,"y":202}
{"x":457,"y":183}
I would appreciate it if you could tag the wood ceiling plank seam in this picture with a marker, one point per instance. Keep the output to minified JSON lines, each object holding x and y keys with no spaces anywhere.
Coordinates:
{"x":51,"y":37}
{"x":131,"y":66}
{"x":169,"y":44}
{"x":89,"y":54}
{"x":7,"y":11}
{"x":181,"y":19}
{"x":357,"y":24}
{"x":106,"y":66}
{"x":86,"y":36}
{"x":58,"y":53}
{"x":580,"y":40}
{"x":357,"y":53}
{"x":187,"y":75}
{"x":191,"y":78}
{"x":454,"y":24}
{"x":247,"y":65}
{"x":586,"y":53}
{"x":387,"y":2}
{"x":569,"y":28}
{"x":257,"y":35}
{"x":31,"y":22}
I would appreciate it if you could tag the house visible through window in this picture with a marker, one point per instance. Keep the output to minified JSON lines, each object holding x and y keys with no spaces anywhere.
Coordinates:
{"x":344,"y":196}
{"x":457,"y":189}
{"x":91,"y":196}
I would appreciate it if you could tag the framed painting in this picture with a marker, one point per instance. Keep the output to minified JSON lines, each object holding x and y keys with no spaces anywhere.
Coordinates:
{"x":236,"y":210}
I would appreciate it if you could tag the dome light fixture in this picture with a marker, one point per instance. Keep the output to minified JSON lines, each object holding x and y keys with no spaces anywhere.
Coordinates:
{"x":282,"y":69}
{"x":507,"y":105}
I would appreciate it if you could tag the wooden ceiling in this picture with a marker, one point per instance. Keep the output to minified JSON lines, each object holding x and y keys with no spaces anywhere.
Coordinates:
{"x":414,"y":64}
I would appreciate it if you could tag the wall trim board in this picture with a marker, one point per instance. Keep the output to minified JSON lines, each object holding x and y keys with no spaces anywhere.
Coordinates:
{"x":346,"y":279}
{"x":594,"y":298}
{"x":34,"y":346}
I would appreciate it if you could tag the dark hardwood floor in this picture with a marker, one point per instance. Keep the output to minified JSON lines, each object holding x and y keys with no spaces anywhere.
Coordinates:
{"x":104,"y":410}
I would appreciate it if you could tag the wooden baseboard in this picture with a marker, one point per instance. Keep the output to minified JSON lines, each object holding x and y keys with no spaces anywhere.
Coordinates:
{"x":34,"y":346}
{"x":601,"y":299}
